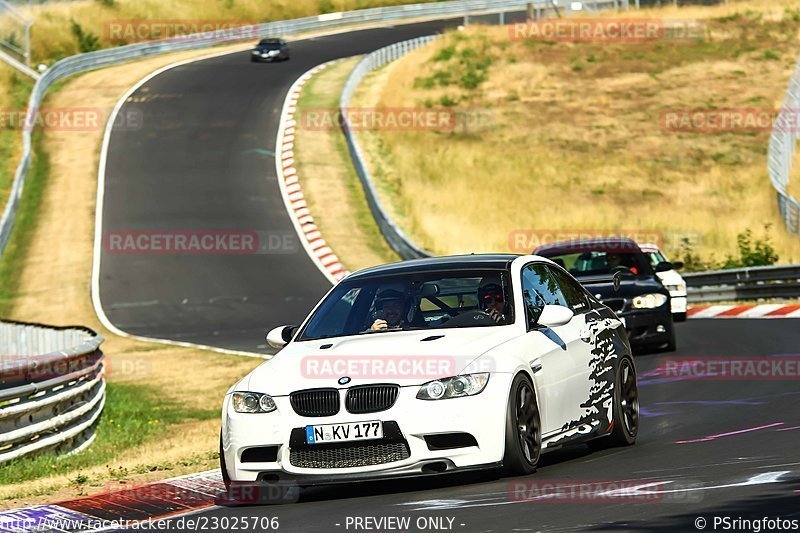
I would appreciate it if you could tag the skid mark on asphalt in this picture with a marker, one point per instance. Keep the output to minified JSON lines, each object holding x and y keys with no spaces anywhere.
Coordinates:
{"x":643,"y":490}
{"x":729,"y":434}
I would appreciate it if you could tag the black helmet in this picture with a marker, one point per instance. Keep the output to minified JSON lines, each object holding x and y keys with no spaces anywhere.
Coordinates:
{"x":491,"y":286}
{"x":387,"y":295}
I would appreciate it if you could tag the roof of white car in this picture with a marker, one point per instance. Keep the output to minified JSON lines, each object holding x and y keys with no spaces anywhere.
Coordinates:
{"x":471,"y":261}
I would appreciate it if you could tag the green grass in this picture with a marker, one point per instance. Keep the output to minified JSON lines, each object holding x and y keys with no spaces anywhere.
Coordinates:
{"x":314,"y":99}
{"x":24,"y":226}
{"x":133,"y":415}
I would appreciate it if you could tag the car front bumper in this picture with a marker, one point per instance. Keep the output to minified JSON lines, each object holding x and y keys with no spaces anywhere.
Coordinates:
{"x":482,"y":416}
{"x":678,"y":302}
{"x":648,"y":327}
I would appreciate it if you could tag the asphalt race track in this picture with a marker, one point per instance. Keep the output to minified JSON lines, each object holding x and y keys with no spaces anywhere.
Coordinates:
{"x":691,"y":451}
{"x":203,"y":161}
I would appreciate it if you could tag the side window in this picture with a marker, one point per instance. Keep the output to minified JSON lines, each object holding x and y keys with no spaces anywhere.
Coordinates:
{"x":576,"y":297}
{"x":539,"y":288}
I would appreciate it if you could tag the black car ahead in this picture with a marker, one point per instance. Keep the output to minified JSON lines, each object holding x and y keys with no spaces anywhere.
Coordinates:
{"x":638,"y":297}
{"x":270,"y":50}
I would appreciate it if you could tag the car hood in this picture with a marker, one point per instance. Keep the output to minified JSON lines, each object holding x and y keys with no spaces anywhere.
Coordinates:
{"x":628,"y":288}
{"x":401,"y":357}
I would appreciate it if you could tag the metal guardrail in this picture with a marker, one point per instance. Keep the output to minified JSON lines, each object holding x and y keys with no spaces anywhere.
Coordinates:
{"x":780,"y":155}
{"x":393,"y":235}
{"x":52,"y":388}
{"x":769,"y":282}
{"x":112,"y":56}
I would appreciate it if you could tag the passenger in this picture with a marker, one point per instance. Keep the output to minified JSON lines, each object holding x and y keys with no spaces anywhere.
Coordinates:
{"x":492,"y":299}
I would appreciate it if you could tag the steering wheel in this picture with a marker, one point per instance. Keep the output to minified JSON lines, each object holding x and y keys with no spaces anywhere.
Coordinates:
{"x":474,"y":317}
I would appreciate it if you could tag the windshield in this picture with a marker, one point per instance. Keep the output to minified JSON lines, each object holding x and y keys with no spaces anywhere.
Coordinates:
{"x":599,"y":263}
{"x":656,"y":257}
{"x":270,"y":45}
{"x":413,"y":301}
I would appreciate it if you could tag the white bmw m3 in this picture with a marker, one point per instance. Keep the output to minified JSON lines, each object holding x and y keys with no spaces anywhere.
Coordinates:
{"x":434,"y":365}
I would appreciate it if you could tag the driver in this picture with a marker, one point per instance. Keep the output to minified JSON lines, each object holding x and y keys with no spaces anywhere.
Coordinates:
{"x":613,"y":260}
{"x":392,"y":304}
{"x":492,"y":299}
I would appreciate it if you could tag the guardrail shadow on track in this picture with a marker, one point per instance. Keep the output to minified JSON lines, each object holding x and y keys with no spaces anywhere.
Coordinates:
{"x":52,"y":388}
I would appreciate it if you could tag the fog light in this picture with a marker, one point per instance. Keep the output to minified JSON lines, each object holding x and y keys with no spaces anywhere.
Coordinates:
{"x":661,"y":329}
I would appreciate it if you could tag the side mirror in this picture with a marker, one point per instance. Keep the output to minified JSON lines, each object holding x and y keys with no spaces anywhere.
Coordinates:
{"x":555,"y":315}
{"x":677,"y":265}
{"x":280,"y":336}
{"x":664,"y":266}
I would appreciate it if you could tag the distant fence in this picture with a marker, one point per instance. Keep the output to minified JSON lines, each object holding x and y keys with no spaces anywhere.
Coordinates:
{"x":769,"y":282}
{"x":780,"y":155}
{"x":52,"y":388}
{"x":393,"y":235}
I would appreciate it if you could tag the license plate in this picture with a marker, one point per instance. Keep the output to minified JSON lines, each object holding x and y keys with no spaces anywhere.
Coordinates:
{"x":344,"y":432}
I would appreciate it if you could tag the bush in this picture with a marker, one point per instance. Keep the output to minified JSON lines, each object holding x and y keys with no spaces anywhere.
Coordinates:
{"x":752,"y":253}
{"x":87,"y":41}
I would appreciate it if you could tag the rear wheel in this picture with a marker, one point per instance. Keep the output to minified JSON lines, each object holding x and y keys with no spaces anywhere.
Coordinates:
{"x":523,"y":429}
{"x":625,"y":418}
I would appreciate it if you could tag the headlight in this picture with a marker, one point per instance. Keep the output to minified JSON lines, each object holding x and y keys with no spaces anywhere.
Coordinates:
{"x":253,"y":402}
{"x":455,"y":387}
{"x":649,"y":301}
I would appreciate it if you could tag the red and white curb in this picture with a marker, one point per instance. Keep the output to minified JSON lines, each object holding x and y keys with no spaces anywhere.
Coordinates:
{"x":291,"y":189}
{"x":116,"y":509}
{"x":744,"y":311}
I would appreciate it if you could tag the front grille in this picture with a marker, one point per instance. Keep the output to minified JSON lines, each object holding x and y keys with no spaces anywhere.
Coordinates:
{"x":349,"y":456}
{"x":315,"y":402}
{"x":371,"y":398}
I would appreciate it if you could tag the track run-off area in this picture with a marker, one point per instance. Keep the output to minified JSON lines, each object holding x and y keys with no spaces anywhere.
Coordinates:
{"x":204,"y":160}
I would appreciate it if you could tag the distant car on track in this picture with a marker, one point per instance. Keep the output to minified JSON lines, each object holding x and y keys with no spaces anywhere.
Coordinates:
{"x":513,"y":358}
{"x":270,"y":50}
{"x":673,"y":281}
{"x":640,"y":300}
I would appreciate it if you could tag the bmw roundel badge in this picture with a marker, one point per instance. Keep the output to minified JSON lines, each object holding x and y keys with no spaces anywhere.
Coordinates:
{"x":344,"y":380}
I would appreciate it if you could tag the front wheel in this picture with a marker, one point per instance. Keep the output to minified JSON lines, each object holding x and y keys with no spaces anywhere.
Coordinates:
{"x":226,"y":479}
{"x":625,"y":418}
{"x":523,"y":429}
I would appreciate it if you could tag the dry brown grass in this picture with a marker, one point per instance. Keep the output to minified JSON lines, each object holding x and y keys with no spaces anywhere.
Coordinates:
{"x":330,"y":184}
{"x":52,"y":37}
{"x":55,"y":289}
{"x":577,"y":141}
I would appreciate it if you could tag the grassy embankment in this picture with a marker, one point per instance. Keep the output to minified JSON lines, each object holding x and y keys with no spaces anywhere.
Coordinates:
{"x":156,"y":423}
{"x":576,"y":140}
{"x":330,"y":183}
